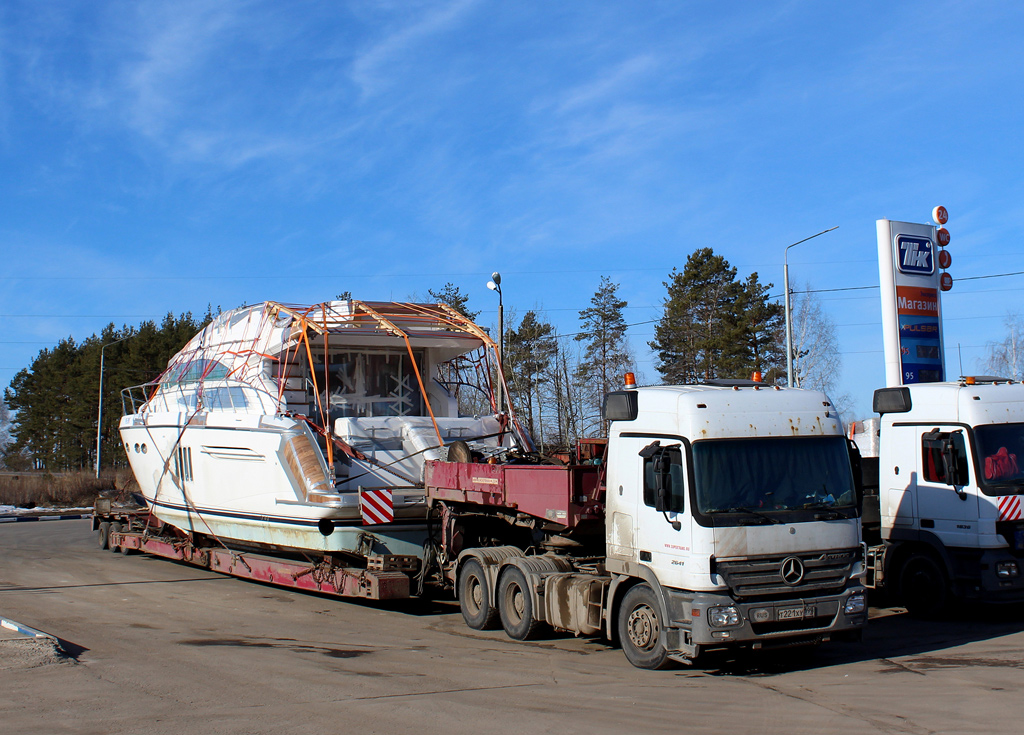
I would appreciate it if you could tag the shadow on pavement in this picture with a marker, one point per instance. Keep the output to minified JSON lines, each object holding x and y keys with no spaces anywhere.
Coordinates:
{"x":891,"y":633}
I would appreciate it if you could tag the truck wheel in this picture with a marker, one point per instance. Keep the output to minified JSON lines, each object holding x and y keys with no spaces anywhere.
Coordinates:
{"x":115,"y":527}
{"x":475,"y":599}
{"x":516,"y":605}
{"x":640,"y":629}
{"x":103,"y":534}
{"x":923,"y":586}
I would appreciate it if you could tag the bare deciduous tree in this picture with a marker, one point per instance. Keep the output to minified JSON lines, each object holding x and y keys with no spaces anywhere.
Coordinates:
{"x":817,"y":363}
{"x":1006,"y":358}
{"x":5,"y":429}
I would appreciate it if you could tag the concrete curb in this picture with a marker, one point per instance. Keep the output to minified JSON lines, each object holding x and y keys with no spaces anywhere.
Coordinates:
{"x":27,"y":519}
{"x":24,"y":629}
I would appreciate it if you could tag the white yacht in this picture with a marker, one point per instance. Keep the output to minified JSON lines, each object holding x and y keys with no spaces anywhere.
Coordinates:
{"x":306,"y":427}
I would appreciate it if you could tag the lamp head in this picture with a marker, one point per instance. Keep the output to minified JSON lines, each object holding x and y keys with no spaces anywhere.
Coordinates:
{"x":492,"y":285}
{"x":496,"y":277}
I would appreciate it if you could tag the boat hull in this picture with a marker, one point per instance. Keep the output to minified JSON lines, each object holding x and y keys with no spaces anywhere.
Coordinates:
{"x":239,"y":478}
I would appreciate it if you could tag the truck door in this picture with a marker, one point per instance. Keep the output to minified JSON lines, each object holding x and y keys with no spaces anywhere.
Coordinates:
{"x":663,"y":528}
{"x":624,"y":480}
{"x":947,"y":500}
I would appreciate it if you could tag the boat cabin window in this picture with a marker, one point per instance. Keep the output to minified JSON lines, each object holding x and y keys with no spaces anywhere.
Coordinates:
{"x":371,"y":383}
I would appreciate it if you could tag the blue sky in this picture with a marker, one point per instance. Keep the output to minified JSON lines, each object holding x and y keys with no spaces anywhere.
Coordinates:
{"x":163,"y":156}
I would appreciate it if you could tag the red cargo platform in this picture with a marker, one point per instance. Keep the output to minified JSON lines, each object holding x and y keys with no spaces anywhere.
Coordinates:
{"x":564,"y":495}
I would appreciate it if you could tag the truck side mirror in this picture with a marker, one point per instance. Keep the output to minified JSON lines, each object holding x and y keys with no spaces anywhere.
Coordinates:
{"x":954,"y":460}
{"x":947,"y":448}
{"x":660,"y":486}
{"x":658,"y":473}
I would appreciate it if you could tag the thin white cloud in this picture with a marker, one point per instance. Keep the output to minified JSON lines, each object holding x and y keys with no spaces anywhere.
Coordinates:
{"x":174,"y":46}
{"x":369,"y":69}
{"x":609,"y":85}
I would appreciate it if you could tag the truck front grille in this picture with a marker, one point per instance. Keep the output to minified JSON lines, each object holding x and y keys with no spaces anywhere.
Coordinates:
{"x":763,"y":576}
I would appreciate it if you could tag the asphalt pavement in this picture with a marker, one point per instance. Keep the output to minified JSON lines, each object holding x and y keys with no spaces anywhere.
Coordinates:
{"x":152,"y":646}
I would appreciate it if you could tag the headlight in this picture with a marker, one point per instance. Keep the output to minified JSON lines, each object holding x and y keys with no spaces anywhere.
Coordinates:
{"x":855,"y":604}
{"x":1007,"y":569}
{"x":723,"y":617}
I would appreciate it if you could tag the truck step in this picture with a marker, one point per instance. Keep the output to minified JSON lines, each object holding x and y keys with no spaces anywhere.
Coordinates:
{"x":392,"y":563}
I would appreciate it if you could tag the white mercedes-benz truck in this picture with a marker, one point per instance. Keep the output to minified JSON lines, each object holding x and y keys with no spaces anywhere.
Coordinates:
{"x":944,"y":517}
{"x":723,"y":516}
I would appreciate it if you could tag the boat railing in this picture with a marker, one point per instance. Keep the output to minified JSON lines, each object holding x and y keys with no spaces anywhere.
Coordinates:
{"x":228,"y":398}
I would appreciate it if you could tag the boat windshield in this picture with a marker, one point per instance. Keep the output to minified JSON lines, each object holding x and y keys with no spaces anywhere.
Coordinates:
{"x":195,"y":371}
{"x":757,"y":477}
{"x":1001,"y":457}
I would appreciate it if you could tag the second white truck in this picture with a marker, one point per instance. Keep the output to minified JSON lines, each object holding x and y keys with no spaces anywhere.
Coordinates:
{"x":944,"y":474}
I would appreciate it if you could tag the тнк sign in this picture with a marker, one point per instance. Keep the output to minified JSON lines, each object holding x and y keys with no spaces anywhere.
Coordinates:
{"x":915,"y":255}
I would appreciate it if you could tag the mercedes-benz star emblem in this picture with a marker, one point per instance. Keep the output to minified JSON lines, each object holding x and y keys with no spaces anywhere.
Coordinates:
{"x":791,"y":570}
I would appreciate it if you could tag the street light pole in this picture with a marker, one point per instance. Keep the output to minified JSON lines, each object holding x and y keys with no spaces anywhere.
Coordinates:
{"x":789,"y":325}
{"x":495,"y":285}
{"x":99,"y":410}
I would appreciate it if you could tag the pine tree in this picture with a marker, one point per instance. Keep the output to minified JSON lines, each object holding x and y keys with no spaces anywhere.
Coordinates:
{"x":453,"y":296}
{"x":715,"y":326}
{"x":606,"y":356}
{"x":696,"y":339}
{"x":55,"y":399}
{"x":764,"y":325}
{"x":528,"y":354}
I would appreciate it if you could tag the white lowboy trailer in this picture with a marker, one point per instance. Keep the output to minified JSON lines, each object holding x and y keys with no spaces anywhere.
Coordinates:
{"x":947,"y":512}
{"x":730,"y":520}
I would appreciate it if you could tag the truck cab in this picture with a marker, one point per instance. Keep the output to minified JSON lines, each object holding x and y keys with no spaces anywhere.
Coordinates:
{"x":950,"y":477}
{"x":731,"y":519}
{"x":723,"y":515}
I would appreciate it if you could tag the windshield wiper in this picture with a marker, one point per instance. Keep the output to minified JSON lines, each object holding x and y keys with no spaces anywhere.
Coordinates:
{"x":752,"y":512}
{"x":831,"y":513}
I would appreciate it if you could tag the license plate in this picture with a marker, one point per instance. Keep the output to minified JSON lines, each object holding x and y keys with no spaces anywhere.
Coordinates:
{"x":796,"y":613}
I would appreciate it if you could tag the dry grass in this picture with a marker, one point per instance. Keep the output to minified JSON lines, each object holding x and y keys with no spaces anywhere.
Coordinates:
{"x":72,"y":489}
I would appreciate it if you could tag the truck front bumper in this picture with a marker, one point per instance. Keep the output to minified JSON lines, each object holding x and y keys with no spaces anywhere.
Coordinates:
{"x":997,"y":576}
{"x":701,"y":621}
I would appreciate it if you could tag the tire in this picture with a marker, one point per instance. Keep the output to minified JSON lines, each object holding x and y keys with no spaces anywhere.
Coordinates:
{"x":475,"y":599}
{"x":640,"y":629}
{"x":459,"y":451}
{"x":516,"y":605}
{"x":924,"y":589}
{"x":103,"y":534}
{"x":115,"y":527}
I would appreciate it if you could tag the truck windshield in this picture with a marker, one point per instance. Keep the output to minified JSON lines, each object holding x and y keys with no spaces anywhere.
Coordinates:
{"x":1001,"y":457}
{"x":758,"y":476}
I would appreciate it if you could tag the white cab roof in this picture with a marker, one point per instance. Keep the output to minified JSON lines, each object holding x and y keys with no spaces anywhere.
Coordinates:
{"x":985,"y":403}
{"x":708,"y":412}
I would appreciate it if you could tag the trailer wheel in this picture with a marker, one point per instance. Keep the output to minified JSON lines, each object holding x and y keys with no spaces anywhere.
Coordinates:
{"x":103,"y":534}
{"x":475,"y":599}
{"x":115,"y":527}
{"x":923,"y":586}
{"x":516,"y":605}
{"x":640,"y":629}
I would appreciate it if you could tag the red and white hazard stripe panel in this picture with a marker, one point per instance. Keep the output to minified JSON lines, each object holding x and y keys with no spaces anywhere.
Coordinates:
{"x":376,"y":507}
{"x":1009,"y":508}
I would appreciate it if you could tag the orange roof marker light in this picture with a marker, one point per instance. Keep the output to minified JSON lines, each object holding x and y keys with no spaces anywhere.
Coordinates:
{"x":756,"y":377}
{"x":629,"y":381}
